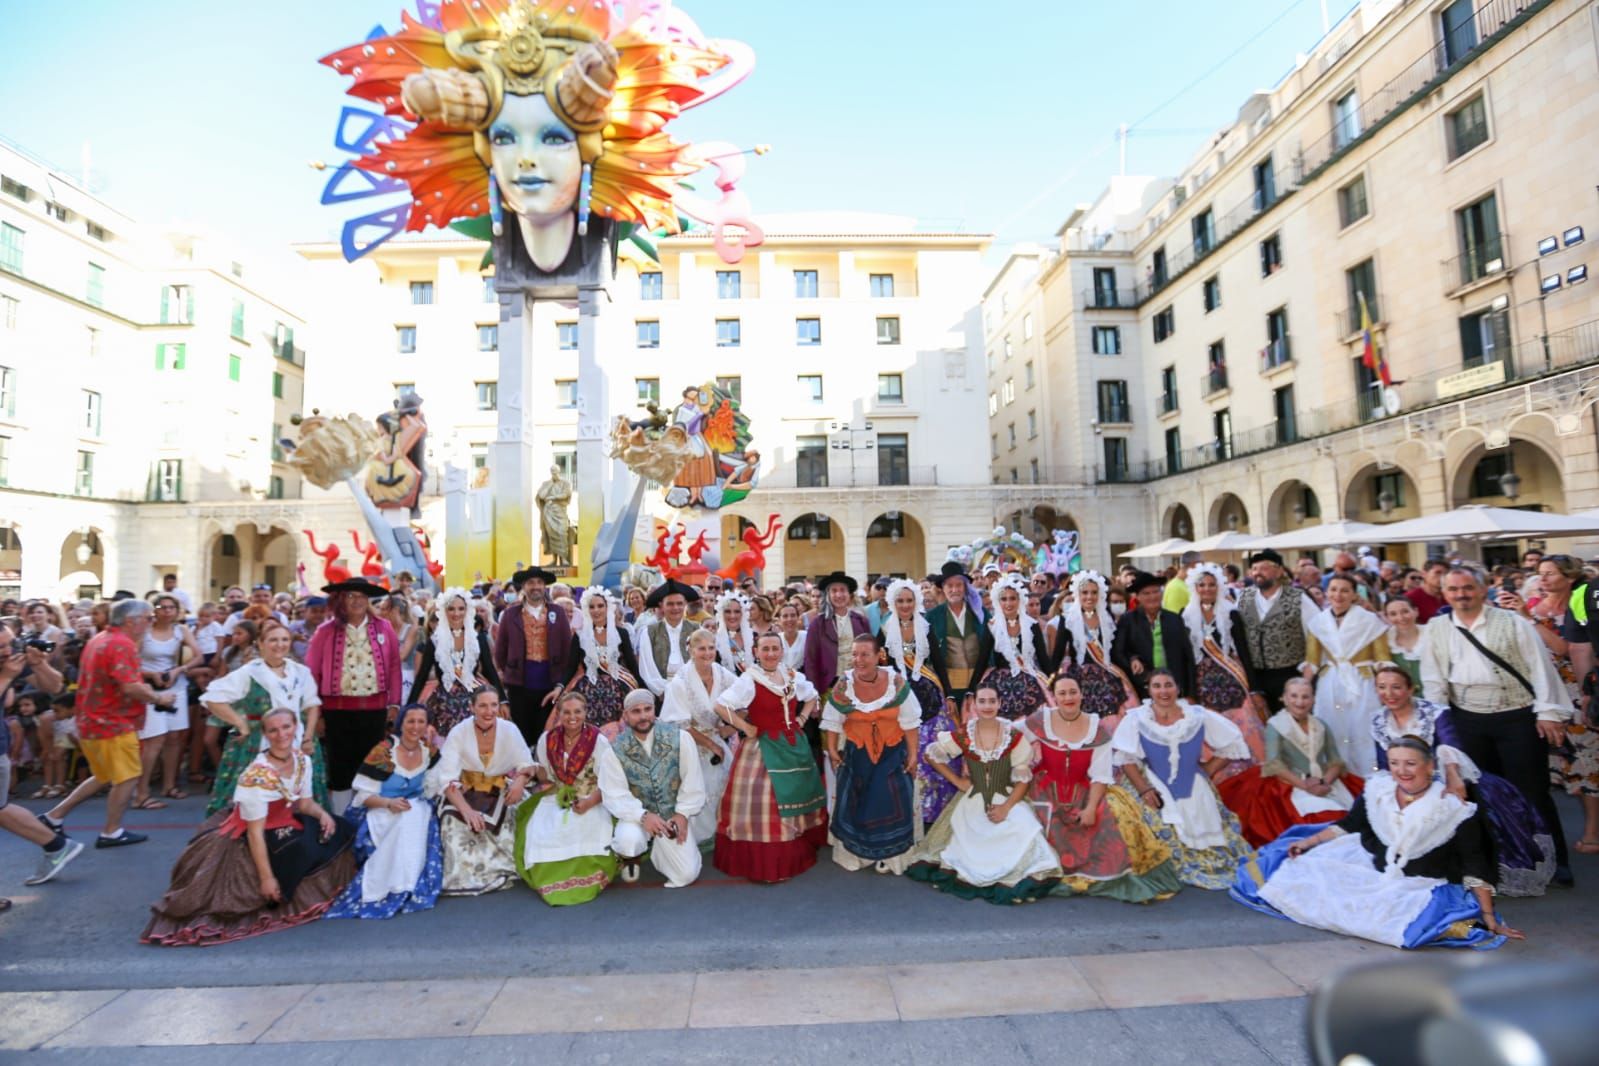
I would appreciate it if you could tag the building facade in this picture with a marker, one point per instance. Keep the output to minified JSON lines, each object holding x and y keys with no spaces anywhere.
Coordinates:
{"x":851,"y":342}
{"x":144,"y":378}
{"x":1430,"y":162}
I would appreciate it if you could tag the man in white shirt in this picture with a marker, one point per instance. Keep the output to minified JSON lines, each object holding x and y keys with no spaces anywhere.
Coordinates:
{"x":1509,"y":704}
{"x":1276,"y":618}
{"x":169,"y":586}
{"x":650,"y":782}
{"x":663,"y":643}
{"x":260,"y":594}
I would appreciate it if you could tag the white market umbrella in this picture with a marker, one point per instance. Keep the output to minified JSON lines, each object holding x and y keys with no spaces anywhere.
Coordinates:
{"x":1169,"y":546}
{"x":1478,"y":522}
{"x":1225,"y":541}
{"x":1340,"y":534}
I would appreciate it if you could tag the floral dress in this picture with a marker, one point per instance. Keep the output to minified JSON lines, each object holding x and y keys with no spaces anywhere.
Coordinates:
{"x":254,"y":689}
{"x":913,"y":662}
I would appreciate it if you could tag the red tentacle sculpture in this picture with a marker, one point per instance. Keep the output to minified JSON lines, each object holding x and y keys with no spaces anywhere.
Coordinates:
{"x":749,"y":562}
{"x":332,"y":571}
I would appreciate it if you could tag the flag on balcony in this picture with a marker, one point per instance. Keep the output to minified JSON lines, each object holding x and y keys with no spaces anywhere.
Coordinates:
{"x":1371,"y":354}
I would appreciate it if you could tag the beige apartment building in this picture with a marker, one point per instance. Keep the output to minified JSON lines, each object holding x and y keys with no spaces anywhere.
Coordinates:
{"x":1200,"y":338}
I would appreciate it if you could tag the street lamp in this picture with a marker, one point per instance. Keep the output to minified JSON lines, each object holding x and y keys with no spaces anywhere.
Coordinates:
{"x":1232,"y":521}
{"x":1298,"y":512}
{"x":1510,"y":484}
{"x":1386,"y":502}
{"x":1182,"y":528}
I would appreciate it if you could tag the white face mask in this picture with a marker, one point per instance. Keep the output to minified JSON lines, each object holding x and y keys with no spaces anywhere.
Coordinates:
{"x":1117,"y":610}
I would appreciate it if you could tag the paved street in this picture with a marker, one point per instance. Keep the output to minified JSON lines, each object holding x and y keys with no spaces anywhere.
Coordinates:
{"x":875,"y":968}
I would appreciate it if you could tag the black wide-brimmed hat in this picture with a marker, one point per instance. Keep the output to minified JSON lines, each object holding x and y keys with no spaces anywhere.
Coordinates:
{"x":1266,"y":555}
{"x":667,"y":588}
{"x":1143,"y":581}
{"x":533,"y":571}
{"x":838,"y":577}
{"x":357,"y":584}
{"x":952,"y":569}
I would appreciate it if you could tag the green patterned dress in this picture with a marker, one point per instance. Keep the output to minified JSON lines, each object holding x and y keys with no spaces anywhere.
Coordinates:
{"x":240,"y":751}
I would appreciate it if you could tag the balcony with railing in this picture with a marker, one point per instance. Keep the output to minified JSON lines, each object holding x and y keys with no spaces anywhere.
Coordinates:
{"x":1168,"y":403}
{"x":1115,"y":413}
{"x":1481,"y":262}
{"x":1110,"y":299}
{"x":1215,"y":381}
{"x":1277,"y":353}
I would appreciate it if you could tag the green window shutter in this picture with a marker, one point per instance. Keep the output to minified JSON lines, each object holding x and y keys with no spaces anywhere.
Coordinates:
{"x":180,"y":360}
{"x":166,"y":291}
{"x":160,"y":357}
{"x":233,"y":368}
{"x":188,"y":304}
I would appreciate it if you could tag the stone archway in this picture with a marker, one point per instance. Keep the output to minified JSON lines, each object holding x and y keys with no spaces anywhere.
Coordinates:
{"x":1179,"y":523}
{"x":1293,"y":505}
{"x":1038,"y":522}
{"x":1228,"y":515}
{"x":10,"y":562}
{"x":1381,"y":494}
{"x":813,"y":546}
{"x":81,"y":567}
{"x":1519,"y":475}
{"x":896,"y":546}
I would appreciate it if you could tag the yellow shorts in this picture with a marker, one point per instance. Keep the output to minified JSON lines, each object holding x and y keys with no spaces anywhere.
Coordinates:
{"x":114,"y":759}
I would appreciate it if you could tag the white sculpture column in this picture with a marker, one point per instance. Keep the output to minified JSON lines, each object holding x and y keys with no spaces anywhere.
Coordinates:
{"x":511,"y":462}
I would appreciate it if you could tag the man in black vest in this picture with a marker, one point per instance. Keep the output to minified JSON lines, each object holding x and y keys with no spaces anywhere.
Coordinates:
{"x":1274,"y":614}
{"x":1150,"y":638}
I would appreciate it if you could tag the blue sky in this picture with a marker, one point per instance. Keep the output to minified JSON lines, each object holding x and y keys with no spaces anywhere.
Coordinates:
{"x":965,"y":115}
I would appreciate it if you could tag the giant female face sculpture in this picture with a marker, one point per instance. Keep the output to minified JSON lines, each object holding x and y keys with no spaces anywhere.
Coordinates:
{"x":551,"y":110}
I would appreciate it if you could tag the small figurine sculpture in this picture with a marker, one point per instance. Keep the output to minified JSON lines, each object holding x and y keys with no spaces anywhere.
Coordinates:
{"x":553,"y":498}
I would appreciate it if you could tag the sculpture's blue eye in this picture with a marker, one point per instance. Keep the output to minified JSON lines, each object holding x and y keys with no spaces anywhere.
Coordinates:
{"x":502,"y":135}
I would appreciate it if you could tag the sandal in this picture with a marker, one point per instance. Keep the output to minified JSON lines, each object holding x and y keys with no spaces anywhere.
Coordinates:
{"x":175,"y":793}
{"x":150,"y":804}
{"x":1587,"y":847}
{"x":55,"y":792}
{"x":43,"y":793}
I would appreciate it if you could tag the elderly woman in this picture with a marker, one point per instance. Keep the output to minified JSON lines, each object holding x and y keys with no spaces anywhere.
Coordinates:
{"x":1088,"y":628}
{"x":1345,"y":644}
{"x":1522,"y":844}
{"x":1021,"y":658}
{"x":457,"y":660}
{"x":1092,"y":823}
{"x":1221,"y":678}
{"x":396,"y":831}
{"x":987,"y":844}
{"x":482,"y":775}
{"x":239,"y":698}
{"x":909,"y":651}
{"x":1302,"y":779}
{"x":563,"y":834}
{"x":1409,"y":866}
{"x":735,"y":637}
{"x":690,"y":701}
{"x":1159,"y":748}
{"x":277,"y":859}
{"x":355,"y":658}
{"x":773,"y":815}
{"x":603,"y":667}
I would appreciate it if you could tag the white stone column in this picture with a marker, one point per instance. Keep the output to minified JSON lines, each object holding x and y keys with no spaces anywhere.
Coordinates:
{"x":511,"y":458}
{"x":593,"y":416}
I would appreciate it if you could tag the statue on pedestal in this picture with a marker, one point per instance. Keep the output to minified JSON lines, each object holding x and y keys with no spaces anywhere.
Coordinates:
{"x":555,"y":526}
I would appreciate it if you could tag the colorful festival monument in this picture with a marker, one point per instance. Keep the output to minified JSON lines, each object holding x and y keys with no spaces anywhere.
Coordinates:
{"x":540,"y":125}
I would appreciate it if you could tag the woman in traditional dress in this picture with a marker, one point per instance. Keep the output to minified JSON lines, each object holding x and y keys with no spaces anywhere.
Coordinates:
{"x":277,"y":859}
{"x":1088,"y":629}
{"x":355,"y":658}
{"x":482,"y":774}
{"x":987,"y":844}
{"x":1522,"y":846}
{"x":563,"y":834}
{"x":1221,"y":679}
{"x":1158,"y":747}
{"x":1345,"y":644}
{"x":1092,"y":823}
{"x":241,"y":696}
{"x":690,"y":700}
{"x":604,"y":669}
{"x":396,"y":829}
{"x":907,"y":649}
{"x":1409,"y":866}
{"x":735,"y":638}
{"x":788,"y":627}
{"x":1021,"y":659}
{"x":457,"y":660}
{"x":1302,"y":779}
{"x":773,"y":814}
{"x":1404,"y":637}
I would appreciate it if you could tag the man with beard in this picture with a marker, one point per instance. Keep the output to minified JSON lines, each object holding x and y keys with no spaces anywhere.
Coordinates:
{"x":663,"y":643}
{"x":650,"y":782}
{"x":964,"y":642}
{"x":875,"y":816}
{"x":530,"y":652}
{"x":1275,"y":616}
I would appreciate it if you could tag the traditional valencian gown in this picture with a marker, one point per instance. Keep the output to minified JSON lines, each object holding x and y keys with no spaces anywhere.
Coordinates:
{"x":1205,"y":839}
{"x":402,"y":860}
{"x":1020,"y":664}
{"x":1347,"y":652}
{"x":1118,"y":856}
{"x":564,"y":856}
{"x":773,"y":816}
{"x":1266,"y":804}
{"x":215,"y":894}
{"x":875,"y":818}
{"x":1106,"y":690}
{"x":252,"y":690}
{"x":1221,"y":682}
{"x":969,"y":856}
{"x":447,"y":675}
{"x":1522,"y":846}
{"x":690,"y":704}
{"x":1400,"y":877}
{"x":609,"y":673}
{"x":476,"y":863}
{"x":915,"y":659}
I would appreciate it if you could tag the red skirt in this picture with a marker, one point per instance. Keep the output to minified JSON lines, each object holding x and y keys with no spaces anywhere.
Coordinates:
{"x":1265,"y":805}
{"x":752,"y":840}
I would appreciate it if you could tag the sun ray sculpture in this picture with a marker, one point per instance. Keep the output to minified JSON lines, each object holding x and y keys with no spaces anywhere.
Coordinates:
{"x":556,"y":111}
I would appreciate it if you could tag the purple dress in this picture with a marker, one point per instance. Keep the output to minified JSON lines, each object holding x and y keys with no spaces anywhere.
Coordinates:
{"x":1522,"y":844}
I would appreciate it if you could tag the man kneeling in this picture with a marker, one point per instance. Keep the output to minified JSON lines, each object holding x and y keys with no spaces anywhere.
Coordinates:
{"x":651,"y":783}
